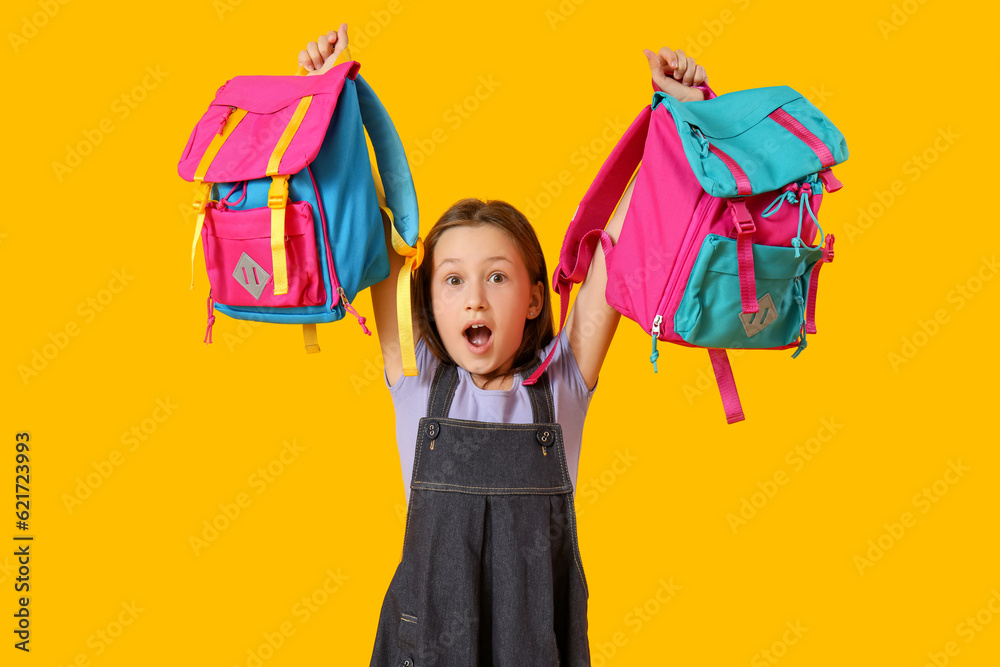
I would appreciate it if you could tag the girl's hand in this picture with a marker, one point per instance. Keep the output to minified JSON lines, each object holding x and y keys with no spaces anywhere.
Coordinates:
{"x":675,"y":74}
{"x":319,"y":56}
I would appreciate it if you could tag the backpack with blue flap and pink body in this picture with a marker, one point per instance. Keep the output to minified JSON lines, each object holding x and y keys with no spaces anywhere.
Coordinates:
{"x":288,"y":203}
{"x":719,"y":245}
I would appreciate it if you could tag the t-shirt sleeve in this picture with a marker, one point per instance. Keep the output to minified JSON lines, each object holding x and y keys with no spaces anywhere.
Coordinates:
{"x":565,"y":367}
{"x":427,"y":364}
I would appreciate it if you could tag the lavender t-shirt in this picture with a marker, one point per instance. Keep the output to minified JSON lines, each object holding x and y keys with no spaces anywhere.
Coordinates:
{"x":511,"y":406}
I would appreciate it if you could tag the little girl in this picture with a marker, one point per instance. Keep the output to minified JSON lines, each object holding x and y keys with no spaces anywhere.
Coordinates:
{"x":491,"y":571}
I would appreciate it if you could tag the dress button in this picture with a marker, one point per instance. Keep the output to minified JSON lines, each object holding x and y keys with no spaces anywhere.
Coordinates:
{"x":433,"y":429}
{"x":545,"y":437}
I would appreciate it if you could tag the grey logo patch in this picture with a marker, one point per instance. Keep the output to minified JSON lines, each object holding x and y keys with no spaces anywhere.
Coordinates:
{"x":251,"y":276}
{"x":754,"y":323}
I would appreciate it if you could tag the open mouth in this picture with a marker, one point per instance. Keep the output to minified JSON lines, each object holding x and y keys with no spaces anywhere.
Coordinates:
{"x":478,"y":335}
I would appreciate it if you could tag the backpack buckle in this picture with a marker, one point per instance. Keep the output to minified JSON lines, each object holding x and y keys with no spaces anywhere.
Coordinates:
{"x":277,"y":195}
{"x":742,"y":220}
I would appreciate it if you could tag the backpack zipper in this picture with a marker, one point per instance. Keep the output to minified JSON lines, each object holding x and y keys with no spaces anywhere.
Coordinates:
{"x":687,"y":246}
{"x":334,"y":283}
{"x":656,"y":334}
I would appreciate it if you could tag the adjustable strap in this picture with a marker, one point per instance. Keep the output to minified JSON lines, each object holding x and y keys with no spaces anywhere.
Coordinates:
{"x":277,"y":196}
{"x":414,"y":257}
{"x":745,"y":228}
{"x":789,"y":122}
{"x":540,"y":395}
{"x":814,"y":284}
{"x":743,"y":187}
{"x":442,"y":390}
{"x":445,"y":383}
{"x":204,"y":190}
{"x":564,"y":286}
{"x":593,"y":213}
{"x":727,"y":385}
{"x":398,"y":199}
{"x":310,"y":338}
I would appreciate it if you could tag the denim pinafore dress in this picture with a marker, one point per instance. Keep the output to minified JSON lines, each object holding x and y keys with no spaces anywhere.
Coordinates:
{"x":490,"y":574}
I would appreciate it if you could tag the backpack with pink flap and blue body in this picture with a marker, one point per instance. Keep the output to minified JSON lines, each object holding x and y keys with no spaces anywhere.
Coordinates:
{"x":288,"y":203}
{"x":721,"y":246}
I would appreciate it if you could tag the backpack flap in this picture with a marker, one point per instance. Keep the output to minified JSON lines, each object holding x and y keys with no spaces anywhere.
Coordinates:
{"x":754,"y":141}
{"x":270,"y":103}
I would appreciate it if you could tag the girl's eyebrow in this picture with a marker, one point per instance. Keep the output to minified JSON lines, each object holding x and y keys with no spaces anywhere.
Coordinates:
{"x":455,"y":260}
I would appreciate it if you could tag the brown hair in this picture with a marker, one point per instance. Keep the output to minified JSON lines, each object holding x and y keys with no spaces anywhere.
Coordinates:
{"x":538,"y":332}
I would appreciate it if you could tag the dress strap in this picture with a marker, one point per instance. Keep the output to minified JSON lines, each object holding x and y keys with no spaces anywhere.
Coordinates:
{"x":442,"y":390}
{"x":446,"y":382}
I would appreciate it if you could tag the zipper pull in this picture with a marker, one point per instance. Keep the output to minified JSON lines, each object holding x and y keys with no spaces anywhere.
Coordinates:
{"x":225,"y":119}
{"x":211,"y":318}
{"x":656,"y":334}
{"x":349,"y":308}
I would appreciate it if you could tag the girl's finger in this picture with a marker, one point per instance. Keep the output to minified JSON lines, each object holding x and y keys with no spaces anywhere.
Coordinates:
{"x":668,"y":57}
{"x":304,"y":60}
{"x":689,"y":71}
{"x":314,"y":55}
{"x":681,"y":64}
{"x":325,"y":46}
{"x":700,"y":76}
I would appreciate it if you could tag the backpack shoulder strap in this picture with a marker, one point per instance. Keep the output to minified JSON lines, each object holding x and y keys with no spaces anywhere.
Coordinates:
{"x":593,"y":213}
{"x":398,"y":198}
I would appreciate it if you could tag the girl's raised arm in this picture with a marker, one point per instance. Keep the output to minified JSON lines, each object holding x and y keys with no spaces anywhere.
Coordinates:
{"x":318,"y":57}
{"x":591,"y":322}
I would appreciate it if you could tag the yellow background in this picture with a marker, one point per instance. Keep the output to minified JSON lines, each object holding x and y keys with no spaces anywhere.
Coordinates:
{"x":660,"y":472}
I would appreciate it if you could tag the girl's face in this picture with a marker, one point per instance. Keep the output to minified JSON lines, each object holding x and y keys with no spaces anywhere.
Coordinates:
{"x":480,"y":279}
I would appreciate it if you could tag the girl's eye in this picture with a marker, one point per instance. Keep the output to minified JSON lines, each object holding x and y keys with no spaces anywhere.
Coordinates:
{"x":452,"y":280}
{"x":501,"y":277}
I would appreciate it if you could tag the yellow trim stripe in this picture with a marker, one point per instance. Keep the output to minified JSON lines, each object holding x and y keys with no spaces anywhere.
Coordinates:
{"x":288,"y":135}
{"x":204,"y":190}
{"x":310,"y":338}
{"x":277,"y":200}
{"x":278,"y":197}
{"x":213,"y":148}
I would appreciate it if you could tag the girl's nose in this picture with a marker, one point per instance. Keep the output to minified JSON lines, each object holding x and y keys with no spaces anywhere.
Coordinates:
{"x":475,"y":297}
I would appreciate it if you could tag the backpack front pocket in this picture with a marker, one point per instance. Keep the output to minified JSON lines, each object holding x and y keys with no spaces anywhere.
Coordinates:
{"x":237,"y":246}
{"x":710,"y":313}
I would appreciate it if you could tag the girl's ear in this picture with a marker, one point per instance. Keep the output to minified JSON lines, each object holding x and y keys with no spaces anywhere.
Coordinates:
{"x":537,"y":299}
